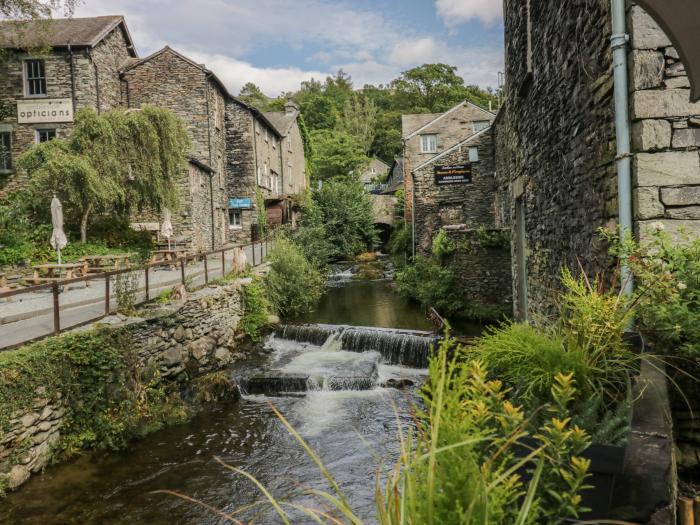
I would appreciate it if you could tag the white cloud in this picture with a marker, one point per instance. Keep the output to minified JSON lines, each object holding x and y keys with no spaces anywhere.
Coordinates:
{"x":235,"y":73}
{"x":455,"y":12}
{"x":296,"y":39}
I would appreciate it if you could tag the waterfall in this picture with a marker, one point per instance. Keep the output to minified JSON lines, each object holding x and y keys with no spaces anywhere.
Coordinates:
{"x":399,"y":347}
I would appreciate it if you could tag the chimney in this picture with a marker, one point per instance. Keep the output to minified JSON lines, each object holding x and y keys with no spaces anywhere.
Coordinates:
{"x":290,"y":107}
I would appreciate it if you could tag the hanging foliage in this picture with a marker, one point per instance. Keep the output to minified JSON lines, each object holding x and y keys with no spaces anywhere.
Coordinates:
{"x":113,"y":163}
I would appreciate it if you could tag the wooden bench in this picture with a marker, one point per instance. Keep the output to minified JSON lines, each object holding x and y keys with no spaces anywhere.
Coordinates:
{"x":52,"y":272}
{"x":104,"y":263}
{"x":170,"y":256}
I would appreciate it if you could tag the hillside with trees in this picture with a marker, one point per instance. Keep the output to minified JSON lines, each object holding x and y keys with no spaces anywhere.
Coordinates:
{"x":346,"y":126}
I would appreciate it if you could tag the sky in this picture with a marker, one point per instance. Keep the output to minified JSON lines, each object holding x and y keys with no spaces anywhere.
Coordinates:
{"x":277,"y":44}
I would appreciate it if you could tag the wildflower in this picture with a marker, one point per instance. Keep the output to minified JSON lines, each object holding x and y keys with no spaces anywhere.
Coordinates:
{"x":658,"y":226}
{"x":682,"y":286}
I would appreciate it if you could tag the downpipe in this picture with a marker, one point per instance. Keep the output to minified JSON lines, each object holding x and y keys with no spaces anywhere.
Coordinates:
{"x":619,"y":42}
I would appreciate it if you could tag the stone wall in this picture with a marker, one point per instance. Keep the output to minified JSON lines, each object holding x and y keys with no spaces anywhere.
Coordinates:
{"x":456,"y":204}
{"x":169,"y":80}
{"x":665,"y":132}
{"x":555,"y":144}
{"x":483,"y":269}
{"x":91,"y":68}
{"x":183,"y":340}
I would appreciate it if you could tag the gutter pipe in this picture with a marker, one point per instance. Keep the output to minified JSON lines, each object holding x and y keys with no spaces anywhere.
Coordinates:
{"x":619,"y":41}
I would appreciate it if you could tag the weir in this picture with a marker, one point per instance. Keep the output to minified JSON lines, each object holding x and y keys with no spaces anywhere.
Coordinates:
{"x":397,"y":347}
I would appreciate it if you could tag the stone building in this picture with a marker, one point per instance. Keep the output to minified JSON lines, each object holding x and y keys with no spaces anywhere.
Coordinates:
{"x":172,"y":81}
{"x":556,"y":140}
{"x":50,"y":69}
{"x":293,"y":171}
{"x":427,"y":135}
{"x":449,"y":179}
{"x":375,"y":175}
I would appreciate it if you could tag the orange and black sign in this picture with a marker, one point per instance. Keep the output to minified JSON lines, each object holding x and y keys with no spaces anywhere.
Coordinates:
{"x":454,"y":174}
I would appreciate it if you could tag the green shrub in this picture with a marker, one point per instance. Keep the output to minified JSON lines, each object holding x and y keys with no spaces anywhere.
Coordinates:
{"x":432,"y":285}
{"x":667,"y":271}
{"x":399,"y":245}
{"x":256,"y":309}
{"x":294,"y":285}
{"x":107,"y":397}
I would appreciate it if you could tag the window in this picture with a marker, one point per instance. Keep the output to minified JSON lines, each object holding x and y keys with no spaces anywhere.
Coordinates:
{"x":234,"y":220}
{"x":480,"y":126}
{"x":257,"y":127}
{"x":5,"y":151}
{"x":473,"y":154}
{"x":259,"y":177}
{"x":289,"y":142}
{"x":374,"y":171}
{"x":267,"y":135}
{"x":45,"y":135}
{"x":35,"y":78}
{"x":428,"y":144}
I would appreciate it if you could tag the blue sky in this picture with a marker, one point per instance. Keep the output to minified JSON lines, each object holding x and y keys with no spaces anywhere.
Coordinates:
{"x":279,"y":43}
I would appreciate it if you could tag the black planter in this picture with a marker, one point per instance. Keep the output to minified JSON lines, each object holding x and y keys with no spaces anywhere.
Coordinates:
{"x":607,"y":464}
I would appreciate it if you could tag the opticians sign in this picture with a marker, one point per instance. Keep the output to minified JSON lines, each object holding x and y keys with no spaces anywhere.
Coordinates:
{"x":44,"y":111}
{"x":454,"y":174}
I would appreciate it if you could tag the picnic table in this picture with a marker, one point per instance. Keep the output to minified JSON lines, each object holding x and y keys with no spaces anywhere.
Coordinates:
{"x":103,"y":263}
{"x":52,"y":272}
{"x":168,"y":255}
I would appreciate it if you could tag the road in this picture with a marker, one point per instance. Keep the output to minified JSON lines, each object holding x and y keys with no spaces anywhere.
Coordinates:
{"x":30,"y":316}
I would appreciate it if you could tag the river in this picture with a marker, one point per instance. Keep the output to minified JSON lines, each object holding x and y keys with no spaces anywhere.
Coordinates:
{"x":328,"y":384}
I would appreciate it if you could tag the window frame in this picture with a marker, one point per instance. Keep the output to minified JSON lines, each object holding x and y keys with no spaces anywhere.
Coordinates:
{"x":233,"y":223}
{"x":39,"y":131}
{"x":473,"y":154}
{"x":29,"y":80}
{"x":423,"y":148}
{"x":6,"y":152}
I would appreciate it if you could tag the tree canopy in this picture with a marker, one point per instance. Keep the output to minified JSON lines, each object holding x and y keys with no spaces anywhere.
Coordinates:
{"x":361,"y":123}
{"x":112,"y":163}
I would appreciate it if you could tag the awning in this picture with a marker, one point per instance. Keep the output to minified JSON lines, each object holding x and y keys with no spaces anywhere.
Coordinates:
{"x":680,"y":20}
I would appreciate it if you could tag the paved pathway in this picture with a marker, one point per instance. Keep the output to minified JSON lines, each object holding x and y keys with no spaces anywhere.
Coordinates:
{"x":30,"y":316}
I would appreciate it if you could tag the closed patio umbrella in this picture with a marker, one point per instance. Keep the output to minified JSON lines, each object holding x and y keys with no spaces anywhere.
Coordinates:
{"x":58,"y":237}
{"x":679,"y":19}
{"x":166,"y":229}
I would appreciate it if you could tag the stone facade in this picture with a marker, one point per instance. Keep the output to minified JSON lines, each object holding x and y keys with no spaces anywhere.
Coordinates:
{"x":183,"y":340}
{"x":556,"y":145}
{"x":253,"y":163}
{"x":449,"y":128}
{"x":455,"y":204}
{"x":86,"y":75}
{"x":375,"y":175}
{"x":169,"y":80}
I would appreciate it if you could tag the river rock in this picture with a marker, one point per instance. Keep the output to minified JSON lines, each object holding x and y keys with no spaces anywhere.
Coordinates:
{"x":17,"y":476}
{"x":273,"y":320}
{"x":223,"y":355}
{"x":399,"y":384}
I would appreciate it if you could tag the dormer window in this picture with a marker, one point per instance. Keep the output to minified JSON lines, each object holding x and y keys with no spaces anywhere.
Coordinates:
{"x":35,"y":78}
{"x":428,"y":143}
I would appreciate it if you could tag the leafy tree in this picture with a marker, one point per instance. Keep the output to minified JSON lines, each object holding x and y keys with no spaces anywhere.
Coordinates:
{"x":112,"y":163}
{"x":32,"y":9}
{"x":359,"y":120}
{"x":336,"y":154}
{"x":346,"y":211}
{"x":251,"y":94}
{"x":431,"y":87}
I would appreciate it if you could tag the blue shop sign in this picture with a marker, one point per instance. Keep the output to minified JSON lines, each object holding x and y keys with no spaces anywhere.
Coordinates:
{"x":240,"y":204}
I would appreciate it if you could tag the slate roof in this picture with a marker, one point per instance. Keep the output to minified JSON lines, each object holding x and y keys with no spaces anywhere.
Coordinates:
{"x":411,"y":123}
{"x":281,"y":120}
{"x":60,"y":32}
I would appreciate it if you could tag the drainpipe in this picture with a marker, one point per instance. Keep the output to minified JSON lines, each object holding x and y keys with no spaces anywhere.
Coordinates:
{"x":413,"y":212}
{"x":97,"y":83}
{"x":72,"y":76}
{"x":619,"y":41}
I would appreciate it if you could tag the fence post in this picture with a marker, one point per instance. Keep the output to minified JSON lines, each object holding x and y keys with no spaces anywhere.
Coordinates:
{"x":182,"y":270}
{"x":262,"y":256}
{"x":253,"y":250}
{"x":56,"y":310}
{"x":107,"y":294}
{"x":223,"y":263}
{"x":206,"y":270}
{"x":148,"y":298}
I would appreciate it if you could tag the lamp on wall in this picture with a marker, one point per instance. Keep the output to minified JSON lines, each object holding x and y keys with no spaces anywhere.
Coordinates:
{"x":679,"y":20}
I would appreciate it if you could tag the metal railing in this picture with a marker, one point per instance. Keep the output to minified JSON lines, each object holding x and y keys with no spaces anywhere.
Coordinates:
{"x":256,"y":252}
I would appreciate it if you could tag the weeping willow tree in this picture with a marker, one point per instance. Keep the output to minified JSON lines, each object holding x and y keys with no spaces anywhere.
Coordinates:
{"x":114,"y":163}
